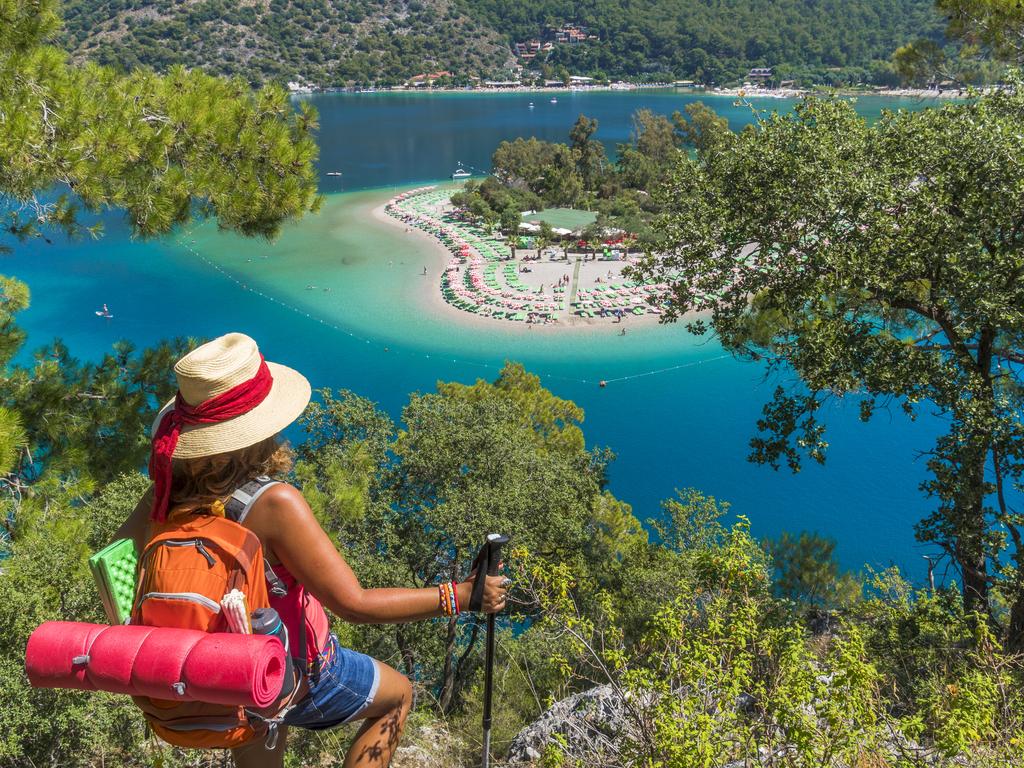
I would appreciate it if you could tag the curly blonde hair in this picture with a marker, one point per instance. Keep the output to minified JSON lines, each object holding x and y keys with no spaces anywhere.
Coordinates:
{"x":200,"y":482}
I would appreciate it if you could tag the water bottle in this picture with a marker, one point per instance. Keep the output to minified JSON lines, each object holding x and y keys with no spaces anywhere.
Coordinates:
{"x":265,"y":621}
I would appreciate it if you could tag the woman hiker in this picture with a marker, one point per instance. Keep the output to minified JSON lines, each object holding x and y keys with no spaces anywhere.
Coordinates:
{"x":218,"y":434}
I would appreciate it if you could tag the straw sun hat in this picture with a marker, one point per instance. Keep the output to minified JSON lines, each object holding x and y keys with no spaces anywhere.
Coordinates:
{"x":218,"y":366}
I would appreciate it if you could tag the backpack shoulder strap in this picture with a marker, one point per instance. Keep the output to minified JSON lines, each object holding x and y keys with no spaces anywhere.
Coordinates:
{"x":237,"y":509}
{"x":241,"y":501}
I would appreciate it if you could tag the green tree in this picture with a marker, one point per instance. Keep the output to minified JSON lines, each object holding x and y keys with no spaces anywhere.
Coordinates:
{"x":162,"y":148}
{"x":807,"y":572}
{"x":510,"y":220}
{"x":544,"y":238}
{"x":544,"y":168}
{"x":879,"y":261}
{"x":996,"y":27}
{"x":701,"y":127}
{"x":988,"y":33}
{"x":653,"y":136}
{"x":590,"y":155}
{"x":412,"y":505}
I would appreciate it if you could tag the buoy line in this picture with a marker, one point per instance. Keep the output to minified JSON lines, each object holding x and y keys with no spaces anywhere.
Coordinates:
{"x":424,"y":355}
{"x":669,"y":369}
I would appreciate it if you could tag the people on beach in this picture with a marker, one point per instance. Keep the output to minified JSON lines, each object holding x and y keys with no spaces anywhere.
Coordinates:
{"x":489,"y":289}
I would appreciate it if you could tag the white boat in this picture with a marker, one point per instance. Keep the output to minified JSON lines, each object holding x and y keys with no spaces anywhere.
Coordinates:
{"x":104,"y":312}
{"x":334,"y":173}
{"x":461,"y":173}
{"x":554,"y":100}
{"x":531,"y":105}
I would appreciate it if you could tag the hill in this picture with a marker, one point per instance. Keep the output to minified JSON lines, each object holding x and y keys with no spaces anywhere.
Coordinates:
{"x":388,"y":41}
{"x":328,"y":43}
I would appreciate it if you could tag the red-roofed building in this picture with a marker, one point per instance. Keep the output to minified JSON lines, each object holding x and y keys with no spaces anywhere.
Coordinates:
{"x":428,"y":79}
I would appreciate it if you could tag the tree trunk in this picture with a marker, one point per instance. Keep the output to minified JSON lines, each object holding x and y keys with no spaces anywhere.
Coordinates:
{"x":462,"y":666}
{"x":408,"y":659}
{"x":970,"y":457}
{"x":1015,"y":631}
{"x":448,"y":674}
{"x":969,"y":511}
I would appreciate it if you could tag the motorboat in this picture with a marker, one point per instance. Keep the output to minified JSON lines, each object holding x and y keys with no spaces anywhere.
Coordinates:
{"x":334,"y":173}
{"x":554,"y":100}
{"x":461,"y":173}
{"x":105,"y":312}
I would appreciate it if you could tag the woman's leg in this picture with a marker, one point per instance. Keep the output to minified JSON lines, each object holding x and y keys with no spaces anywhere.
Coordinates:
{"x":256,"y":755}
{"x":385,"y":717}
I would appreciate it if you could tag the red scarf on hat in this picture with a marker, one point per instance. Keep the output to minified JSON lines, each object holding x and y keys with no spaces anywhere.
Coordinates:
{"x":236,"y":401}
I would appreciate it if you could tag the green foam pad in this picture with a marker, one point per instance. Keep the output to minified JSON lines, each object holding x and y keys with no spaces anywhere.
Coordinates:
{"x":113,"y":568}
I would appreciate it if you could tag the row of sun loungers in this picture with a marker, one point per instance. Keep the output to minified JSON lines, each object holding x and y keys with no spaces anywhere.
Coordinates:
{"x":471,"y":279}
{"x":478,"y":278}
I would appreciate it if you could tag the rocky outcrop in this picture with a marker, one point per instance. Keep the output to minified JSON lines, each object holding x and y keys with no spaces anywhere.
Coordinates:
{"x":588,"y":725}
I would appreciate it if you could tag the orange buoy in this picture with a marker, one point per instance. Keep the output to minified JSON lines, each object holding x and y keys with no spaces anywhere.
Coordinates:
{"x":602,"y":383}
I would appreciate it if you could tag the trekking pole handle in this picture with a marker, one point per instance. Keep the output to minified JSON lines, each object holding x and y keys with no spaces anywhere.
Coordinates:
{"x":495,"y":541}
{"x":486,"y":564}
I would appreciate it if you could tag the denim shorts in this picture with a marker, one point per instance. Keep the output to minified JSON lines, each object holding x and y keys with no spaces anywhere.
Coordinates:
{"x":343,"y":689}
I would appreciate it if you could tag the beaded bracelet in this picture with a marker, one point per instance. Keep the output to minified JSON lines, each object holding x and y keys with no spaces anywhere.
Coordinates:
{"x":448,"y":597}
{"x":443,"y":599}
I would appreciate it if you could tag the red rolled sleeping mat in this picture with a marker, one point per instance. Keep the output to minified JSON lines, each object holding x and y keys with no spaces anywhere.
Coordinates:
{"x":158,"y":662}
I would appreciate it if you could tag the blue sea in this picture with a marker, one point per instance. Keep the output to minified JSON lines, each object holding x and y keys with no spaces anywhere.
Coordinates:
{"x":677,"y":412}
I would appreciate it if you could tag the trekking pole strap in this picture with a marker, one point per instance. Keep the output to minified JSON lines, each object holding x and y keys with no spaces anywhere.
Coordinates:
{"x":485,"y":564}
{"x":480,"y":565}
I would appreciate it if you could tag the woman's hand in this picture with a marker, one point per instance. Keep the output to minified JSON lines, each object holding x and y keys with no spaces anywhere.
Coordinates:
{"x":495,"y":593}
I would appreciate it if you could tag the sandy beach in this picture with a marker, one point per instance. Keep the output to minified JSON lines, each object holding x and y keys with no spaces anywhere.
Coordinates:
{"x":581,"y":273}
{"x":735,"y":91}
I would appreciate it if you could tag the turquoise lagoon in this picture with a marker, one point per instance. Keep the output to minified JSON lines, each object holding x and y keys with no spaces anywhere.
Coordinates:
{"x":676,"y":411}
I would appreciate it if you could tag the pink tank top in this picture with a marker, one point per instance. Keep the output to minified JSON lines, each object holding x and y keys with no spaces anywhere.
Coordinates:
{"x":299,"y":606}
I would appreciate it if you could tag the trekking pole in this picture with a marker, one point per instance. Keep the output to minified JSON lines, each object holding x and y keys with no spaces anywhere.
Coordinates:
{"x":486,"y":564}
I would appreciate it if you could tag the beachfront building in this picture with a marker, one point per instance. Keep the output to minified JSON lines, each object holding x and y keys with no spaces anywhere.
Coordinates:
{"x":760,"y":76}
{"x":501,"y":83}
{"x":580,"y":80}
{"x":427,"y":79}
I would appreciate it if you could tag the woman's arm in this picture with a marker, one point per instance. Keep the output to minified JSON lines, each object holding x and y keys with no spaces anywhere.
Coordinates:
{"x":286,"y":523}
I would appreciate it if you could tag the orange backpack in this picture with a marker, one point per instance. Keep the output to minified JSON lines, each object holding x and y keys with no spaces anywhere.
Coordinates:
{"x":189,"y":563}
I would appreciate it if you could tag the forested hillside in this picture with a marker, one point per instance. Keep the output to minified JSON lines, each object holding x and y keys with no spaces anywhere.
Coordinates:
{"x":717,"y":40}
{"x":387,"y":41}
{"x":319,"y":41}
